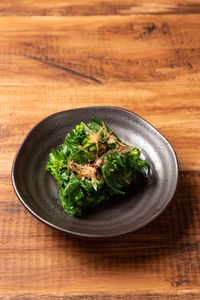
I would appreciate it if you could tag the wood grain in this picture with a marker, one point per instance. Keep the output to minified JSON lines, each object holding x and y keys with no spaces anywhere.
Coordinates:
{"x":97,"y":7}
{"x":164,"y":256}
{"x":140,"y":56}
{"x":165,"y":48}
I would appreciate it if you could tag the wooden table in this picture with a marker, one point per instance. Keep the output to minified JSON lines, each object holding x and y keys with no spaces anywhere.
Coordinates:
{"x":140,"y":55}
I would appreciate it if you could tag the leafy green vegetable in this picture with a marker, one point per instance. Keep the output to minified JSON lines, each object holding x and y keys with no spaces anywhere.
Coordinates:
{"x":92,"y":165}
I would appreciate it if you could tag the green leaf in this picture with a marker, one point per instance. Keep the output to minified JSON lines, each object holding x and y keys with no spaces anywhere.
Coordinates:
{"x":112,"y":179}
{"x":118,"y":170}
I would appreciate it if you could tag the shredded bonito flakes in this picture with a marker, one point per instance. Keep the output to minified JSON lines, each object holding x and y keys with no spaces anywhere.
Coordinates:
{"x":83,"y":171}
{"x":90,"y":171}
{"x":121,"y":150}
{"x":95,"y":138}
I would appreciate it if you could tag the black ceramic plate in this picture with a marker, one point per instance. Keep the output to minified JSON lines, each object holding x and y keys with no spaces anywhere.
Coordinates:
{"x":38,"y":191}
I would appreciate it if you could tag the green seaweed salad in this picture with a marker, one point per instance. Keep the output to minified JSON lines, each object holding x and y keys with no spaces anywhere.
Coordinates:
{"x":92,"y":165}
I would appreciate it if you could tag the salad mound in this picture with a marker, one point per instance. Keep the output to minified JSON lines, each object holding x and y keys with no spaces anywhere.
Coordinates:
{"x":92,"y":165}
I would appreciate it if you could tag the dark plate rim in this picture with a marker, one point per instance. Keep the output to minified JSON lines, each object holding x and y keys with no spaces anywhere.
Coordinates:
{"x":96,"y":236}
